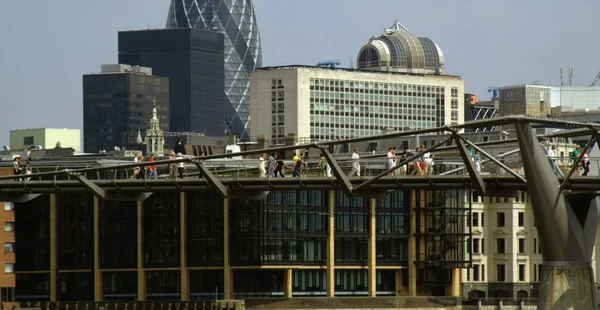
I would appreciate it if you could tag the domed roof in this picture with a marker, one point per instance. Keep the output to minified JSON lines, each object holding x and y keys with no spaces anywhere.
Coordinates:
{"x":400,"y":51}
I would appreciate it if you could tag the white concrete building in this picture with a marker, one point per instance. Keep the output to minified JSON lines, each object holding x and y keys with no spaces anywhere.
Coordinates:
{"x":319,"y":103}
{"x":506,"y":252}
{"x":46,"y":138}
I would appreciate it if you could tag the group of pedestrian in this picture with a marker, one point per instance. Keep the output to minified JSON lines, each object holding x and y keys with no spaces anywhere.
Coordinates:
{"x":151,"y":172}
{"x":420,"y":165}
{"x":584,"y":164}
{"x":20,"y":168}
{"x":269,"y":165}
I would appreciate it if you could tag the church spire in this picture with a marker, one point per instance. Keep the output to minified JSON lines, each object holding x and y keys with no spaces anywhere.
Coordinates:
{"x":155,"y":138}
{"x":154,"y":112}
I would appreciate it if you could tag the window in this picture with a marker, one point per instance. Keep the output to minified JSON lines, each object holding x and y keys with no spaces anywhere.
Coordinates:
{"x":501,"y":272}
{"x":27,"y":140}
{"x":476,"y":246}
{"x":521,"y":219}
{"x":500,"y":245}
{"x":9,"y":226}
{"x":482,"y":246}
{"x":8,"y":206}
{"x":9,"y":247}
{"x":521,"y":272}
{"x":482,"y":272}
{"x":475,"y":272}
{"x":9,"y":268}
{"x":500,"y":219}
{"x":475,"y":219}
{"x":522,"y":246}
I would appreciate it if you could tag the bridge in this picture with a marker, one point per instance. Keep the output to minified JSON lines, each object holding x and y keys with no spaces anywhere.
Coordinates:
{"x":566,"y":207}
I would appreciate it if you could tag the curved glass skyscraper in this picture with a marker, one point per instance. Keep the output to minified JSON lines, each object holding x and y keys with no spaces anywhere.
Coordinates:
{"x":237,"y":21}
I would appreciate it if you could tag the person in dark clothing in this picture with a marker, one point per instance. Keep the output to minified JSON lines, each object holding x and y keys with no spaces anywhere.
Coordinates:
{"x":278,"y":166}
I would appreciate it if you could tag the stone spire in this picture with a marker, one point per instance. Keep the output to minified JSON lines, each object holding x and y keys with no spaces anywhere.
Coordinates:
{"x":155,"y":137}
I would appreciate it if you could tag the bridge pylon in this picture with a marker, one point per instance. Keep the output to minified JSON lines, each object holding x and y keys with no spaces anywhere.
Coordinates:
{"x":567,"y":235}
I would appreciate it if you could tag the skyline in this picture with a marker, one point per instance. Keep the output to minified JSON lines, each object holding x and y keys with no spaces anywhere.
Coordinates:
{"x":41,"y":68}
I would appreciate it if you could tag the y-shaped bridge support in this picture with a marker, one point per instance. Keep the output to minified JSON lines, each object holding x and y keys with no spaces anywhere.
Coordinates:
{"x":567,"y":280}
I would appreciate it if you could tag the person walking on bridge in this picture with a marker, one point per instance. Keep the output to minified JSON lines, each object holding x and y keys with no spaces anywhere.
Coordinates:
{"x":355,"y":164}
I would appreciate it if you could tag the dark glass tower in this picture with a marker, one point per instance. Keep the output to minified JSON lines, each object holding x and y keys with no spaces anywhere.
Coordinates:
{"x":237,"y":21}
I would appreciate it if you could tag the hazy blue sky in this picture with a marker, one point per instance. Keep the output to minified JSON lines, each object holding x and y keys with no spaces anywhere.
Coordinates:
{"x":47,"y":45}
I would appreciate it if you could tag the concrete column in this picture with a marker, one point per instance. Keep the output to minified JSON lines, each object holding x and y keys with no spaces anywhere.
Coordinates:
{"x":331,"y":246}
{"x":185,"y":281}
{"x":372,"y":271}
{"x":140,"y":253}
{"x":412,"y":247}
{"x":98,"y":285}
{"x":227,"y":275}
{"x":566,"y":287}
{"x":53,"y":248}
{"x":287,"y":282}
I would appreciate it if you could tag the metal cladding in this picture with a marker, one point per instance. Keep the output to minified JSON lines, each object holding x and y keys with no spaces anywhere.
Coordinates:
{"x":399,"y":50}
{"x":560,"y":233}
{"x":243,"y":53}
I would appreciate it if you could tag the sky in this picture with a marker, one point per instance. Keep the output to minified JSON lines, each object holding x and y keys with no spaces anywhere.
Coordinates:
{"x":46,"y":46}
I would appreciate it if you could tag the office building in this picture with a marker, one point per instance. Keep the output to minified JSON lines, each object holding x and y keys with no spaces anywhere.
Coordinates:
{"x":236,"y":20}
{"x":117,"y":104}
{"x":506,"y":252}
{"x":45,"y":138}
{"x":323,"y":103}
{"x":173,"y":246}
{"x":192,"y":60}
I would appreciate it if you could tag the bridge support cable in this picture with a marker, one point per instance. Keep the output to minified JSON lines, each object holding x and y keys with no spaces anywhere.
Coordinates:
{"x":402,"y":163}
{"x":470,"y":165}
{"x":578,"y":161}
{"x":211,"y":179}
{"x":567,"y":276}
{"x":95,"y":189}
{"x":494,"y":160}
{"x":337,"y":171}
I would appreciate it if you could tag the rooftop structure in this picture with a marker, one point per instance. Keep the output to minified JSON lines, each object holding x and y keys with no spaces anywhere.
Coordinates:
{"x":400,"y":51}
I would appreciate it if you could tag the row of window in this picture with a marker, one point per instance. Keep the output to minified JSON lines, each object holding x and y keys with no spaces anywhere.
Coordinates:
{"x":381,"y":86}
{"x":500,"y":219}
{"x":478,"y":246}
{"x":477,"y":273}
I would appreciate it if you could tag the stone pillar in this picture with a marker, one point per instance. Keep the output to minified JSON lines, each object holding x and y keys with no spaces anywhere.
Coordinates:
{"x":227,"y":275}
{"x":185,"y":290}
{"x":53,"y":248}
{"x":331,"y":246}
{"x":140,"y":253}
{"x":98,"y":285}
{"x":372,"y":271}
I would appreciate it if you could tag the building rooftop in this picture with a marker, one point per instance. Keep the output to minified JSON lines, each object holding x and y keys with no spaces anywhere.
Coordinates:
{"x":290,"y":67}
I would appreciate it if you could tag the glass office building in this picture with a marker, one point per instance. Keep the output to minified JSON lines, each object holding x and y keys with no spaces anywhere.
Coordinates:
{"x":196,"y":245}
{"x":242,"y":52}
{"x":192,"y":59}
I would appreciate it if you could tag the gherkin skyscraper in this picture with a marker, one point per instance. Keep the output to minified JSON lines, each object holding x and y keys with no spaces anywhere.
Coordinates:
{"x":243,"y":54}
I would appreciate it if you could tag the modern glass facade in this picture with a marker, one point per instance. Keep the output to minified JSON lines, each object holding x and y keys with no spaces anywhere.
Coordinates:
{"x":118,"y":105}
{"x":242,"y":51}
{"x":189,"y":246}
{"x":192,"y":59}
